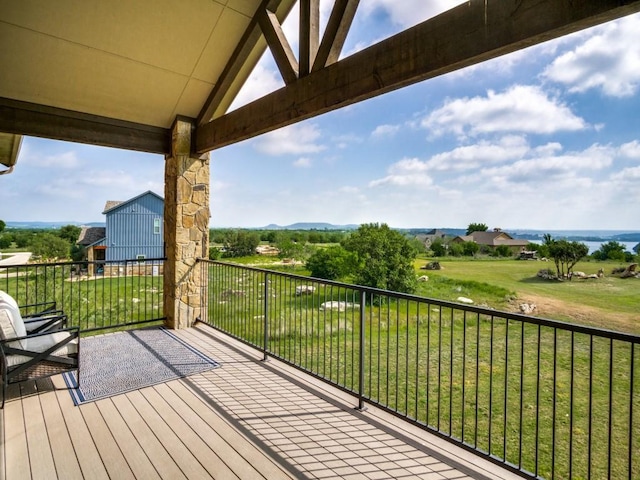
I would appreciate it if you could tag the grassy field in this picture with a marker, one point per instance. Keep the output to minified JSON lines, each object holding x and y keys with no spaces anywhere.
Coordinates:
{"x":608,"y":302}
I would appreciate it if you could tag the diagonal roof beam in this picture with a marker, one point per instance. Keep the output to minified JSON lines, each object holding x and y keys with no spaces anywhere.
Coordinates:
{"x":473,"y":32}
{"x":279,"y":46}
{"x":336,"y":33}
{"x":242,"y":62}
{"x":309,"y":34}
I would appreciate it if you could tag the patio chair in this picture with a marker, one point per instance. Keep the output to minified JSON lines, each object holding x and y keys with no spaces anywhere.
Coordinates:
{"x":31,"y":356}
{"x":46,"y":317}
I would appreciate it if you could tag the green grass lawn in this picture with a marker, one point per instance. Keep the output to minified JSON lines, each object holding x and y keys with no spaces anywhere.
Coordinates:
{"x":609,"y":302}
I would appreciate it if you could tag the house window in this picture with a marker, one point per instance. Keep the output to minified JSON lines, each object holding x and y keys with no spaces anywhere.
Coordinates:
{"x":156,"y":226}
{"x":140,"y":258}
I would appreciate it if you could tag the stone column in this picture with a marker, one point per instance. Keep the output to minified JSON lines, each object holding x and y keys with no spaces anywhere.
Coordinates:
{"x":186,"y":227}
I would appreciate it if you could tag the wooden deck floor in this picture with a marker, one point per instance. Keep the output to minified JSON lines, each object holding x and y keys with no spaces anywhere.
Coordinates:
{"x":247,"y":419}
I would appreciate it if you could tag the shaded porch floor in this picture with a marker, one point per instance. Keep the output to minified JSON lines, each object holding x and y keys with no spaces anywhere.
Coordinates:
{"x":247,"y":419}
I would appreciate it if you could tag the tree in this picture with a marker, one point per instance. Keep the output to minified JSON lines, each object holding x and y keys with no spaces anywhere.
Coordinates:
{"x":70,"y":233}
{"x":384,"y":258}
{"x":331,"y":263}
{"x":2,"y":225}
{"x":476,"y":227}
{"x":438,"y":248}
{"x":566,"y":254}
{"x":610,"y":251}
{"x":240,"y":243}
{"x":470,"y":248}
{"x":49,"y":246}
{"x":289,"y":249}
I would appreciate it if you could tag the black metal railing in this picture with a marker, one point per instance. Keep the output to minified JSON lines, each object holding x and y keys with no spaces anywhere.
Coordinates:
{"x":95,"y":296}
{"x":543,"y":398}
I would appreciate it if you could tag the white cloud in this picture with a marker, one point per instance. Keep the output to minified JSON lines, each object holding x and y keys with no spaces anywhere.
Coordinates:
{"x":64,"y":160}
{"x":631,"y":150}
{"x":608,"y":60}
{"x":409,"y":172}
{"x":510,"y":147}
{"x":298,"y":139}
{"x":302,"y":162}
{"x":385,"y":131}
{"x":521,"y":108}
{"x":552,"y":168}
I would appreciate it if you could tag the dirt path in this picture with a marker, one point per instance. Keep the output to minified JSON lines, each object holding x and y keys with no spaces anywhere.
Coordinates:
{"x":548,"y":307}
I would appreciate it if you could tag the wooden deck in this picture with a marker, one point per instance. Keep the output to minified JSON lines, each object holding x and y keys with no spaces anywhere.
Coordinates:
{"x":247,"y":419}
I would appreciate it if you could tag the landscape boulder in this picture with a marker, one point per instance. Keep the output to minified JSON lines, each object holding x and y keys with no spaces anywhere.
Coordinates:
{"x":423,"y":278}
{"x":630,"y":271}
{"x":340,"y":306}
{"x":464,"y":300}
{"x":432,"y":266}
{"x":305,"y":290}
{"x":527,"y":308}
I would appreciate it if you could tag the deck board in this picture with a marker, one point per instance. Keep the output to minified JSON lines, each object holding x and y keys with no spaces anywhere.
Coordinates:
{"x":63,"y":453}
{"x":247,"y":419}
{"x":122,"y":420}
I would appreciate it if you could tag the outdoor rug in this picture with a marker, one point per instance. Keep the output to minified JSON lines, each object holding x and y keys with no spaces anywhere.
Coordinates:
{"x":121,"y":362}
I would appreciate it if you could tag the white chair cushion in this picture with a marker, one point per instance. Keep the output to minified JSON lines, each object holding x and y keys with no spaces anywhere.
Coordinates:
{"x":43,"y":342}
{"x":11,"y":324}
{"x":5,"y":297}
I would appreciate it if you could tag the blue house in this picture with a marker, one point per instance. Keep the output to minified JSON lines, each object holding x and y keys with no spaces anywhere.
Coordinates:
{"x":133,"y":230}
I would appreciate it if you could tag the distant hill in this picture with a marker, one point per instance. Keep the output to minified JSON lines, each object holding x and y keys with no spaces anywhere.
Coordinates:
{"x":309,"y":226}
{"x":50,"y":225}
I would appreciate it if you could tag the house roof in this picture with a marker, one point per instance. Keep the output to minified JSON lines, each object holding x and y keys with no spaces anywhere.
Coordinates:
{"x":493,"y":239}
{"x":112,"y":204}
{"x":89,"y":235}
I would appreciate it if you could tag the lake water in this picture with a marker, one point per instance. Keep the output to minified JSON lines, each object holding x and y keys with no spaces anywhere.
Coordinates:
{"x":593,"y":246}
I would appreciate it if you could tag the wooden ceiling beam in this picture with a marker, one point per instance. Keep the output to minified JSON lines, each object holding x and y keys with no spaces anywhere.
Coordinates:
{"x":41,"y":121}
{"x":244,"y":59}
{"x":475,"y":31}
{"x":279,"y":46}
{"x":309,"y":34}
{"x":335,"y":34}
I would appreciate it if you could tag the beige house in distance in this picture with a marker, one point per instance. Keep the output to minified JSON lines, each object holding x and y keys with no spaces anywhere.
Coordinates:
{"x":494,"y":239}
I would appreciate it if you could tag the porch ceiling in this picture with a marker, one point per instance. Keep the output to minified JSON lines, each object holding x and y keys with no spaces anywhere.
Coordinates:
{"x":129,"y":64}
{"x":144,"y":61}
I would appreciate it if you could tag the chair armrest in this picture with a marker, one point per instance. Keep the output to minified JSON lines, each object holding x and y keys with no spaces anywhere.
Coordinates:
{"x":43,"y":307}
{"x":45,"y":323}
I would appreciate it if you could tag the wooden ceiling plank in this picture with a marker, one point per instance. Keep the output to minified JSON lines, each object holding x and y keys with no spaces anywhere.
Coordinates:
{"x":279,"y":46}
{"x":336,"y":32}
{"x":309,"y":34}
{"x":49,"y":122}
{"x":473,"y":32}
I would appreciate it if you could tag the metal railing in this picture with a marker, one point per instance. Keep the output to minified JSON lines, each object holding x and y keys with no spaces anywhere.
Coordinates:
{"x":543,"y":398}
{"x":95,"y":296}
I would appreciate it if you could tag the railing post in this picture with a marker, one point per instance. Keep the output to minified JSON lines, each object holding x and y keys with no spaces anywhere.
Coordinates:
{"x":265,"y":343}
{"x":363,"y":302}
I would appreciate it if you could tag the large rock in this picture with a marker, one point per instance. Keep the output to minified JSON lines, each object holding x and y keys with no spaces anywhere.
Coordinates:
{"x":340,"y":306}
{"x":305,"y":289}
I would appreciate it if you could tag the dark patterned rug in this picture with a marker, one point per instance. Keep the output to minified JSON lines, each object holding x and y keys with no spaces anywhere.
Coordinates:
{"x":121,"y":362}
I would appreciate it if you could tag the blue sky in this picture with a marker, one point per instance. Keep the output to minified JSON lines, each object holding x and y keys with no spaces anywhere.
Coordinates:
{"x":547,"y":138}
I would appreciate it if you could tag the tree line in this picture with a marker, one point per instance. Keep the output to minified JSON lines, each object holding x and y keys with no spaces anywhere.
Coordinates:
{"x":46,"y":244}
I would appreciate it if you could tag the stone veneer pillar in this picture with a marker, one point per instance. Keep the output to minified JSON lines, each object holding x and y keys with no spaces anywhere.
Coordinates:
{"x":186,"y":227}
